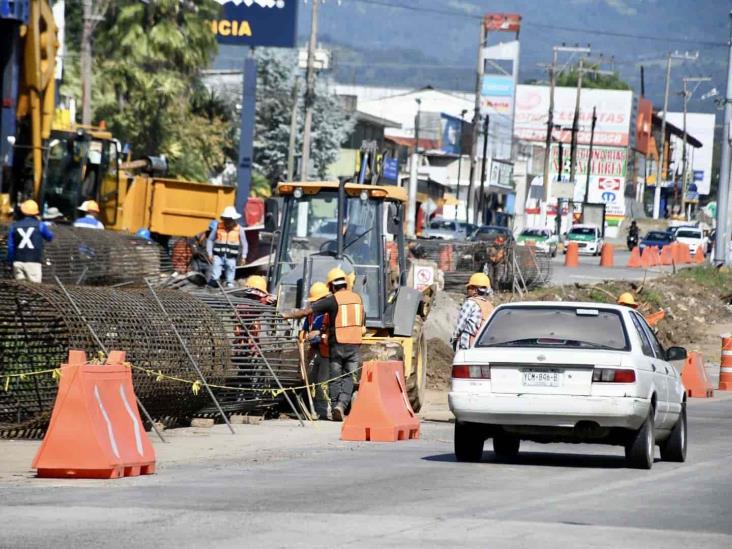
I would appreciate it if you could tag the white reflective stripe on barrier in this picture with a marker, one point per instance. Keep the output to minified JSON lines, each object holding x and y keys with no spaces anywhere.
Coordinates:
{"x":726,"y":353}
{"x":726,"y":370}
{"x":135,"y":423}
{"x":110,"y":432}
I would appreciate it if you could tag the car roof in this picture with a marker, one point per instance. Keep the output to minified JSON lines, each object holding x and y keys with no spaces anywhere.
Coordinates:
{"x":583,"y":226}
{"x":569,"y":304}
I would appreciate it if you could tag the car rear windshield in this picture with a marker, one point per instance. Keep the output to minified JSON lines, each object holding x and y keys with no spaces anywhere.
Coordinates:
{"x":583,"y":231}
{"x":533,"y":232}
{"x":443,"y":225}
{"x":587,"y":328}
{"x":688,"y":234}
{"x":658,"y":235}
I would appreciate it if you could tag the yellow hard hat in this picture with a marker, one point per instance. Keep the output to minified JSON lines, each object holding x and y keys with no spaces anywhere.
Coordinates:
{"x":479,"y":280}
{"x":318,"y":291}
{"x":256,"y":282}
{"x":89,"y":206}
{"x":335,"y":274}
{"x":628,"y":300}
{"x":29,"y":207}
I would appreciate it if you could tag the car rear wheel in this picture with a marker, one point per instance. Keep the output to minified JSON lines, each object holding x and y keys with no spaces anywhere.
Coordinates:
{"x":640,"y":449}
{"x":468,"y":442}
{"x":674,"y":448}
{"x":506,"y":446}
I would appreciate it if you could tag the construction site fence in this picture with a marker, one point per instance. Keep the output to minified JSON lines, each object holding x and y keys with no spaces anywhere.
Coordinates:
{"x":38,"y":326}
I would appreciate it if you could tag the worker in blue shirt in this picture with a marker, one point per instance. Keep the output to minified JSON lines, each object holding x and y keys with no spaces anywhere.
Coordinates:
{"x":89,"y":220}
{"x":25,"y":243}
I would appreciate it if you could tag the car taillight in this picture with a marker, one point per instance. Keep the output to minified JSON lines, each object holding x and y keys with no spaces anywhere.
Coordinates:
{"x":612,"y":375}
{"x":471,"y":372}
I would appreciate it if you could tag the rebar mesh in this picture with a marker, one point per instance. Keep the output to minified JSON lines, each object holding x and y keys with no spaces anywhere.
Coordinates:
{"x":38,"y":326}
{"x":97,"y":258}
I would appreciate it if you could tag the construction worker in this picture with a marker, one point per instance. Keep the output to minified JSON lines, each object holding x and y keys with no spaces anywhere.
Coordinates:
{"x":628,"y":300}
{"x":255,"y":287}
{"x":89,"y":220}
{"x":346,"y":310}
{"x":474,"y":312}
{"x":25,"y":243}
{"x":315,"y":332}
{"x":226,"y":247}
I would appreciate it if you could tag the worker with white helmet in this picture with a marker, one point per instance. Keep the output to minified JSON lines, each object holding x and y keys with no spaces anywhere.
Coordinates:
{"x":25,"y":243}
{"x":226,"y":247}
{"x":89,"y":219}
{"x":474,"y":312}
{"x":346,"y":311}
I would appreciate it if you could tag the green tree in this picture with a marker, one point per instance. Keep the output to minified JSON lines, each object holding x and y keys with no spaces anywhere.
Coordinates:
{"x":592,"y":79}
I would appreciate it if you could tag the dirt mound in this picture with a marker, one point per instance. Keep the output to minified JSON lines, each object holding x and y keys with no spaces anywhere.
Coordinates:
{"x":439,"y":364}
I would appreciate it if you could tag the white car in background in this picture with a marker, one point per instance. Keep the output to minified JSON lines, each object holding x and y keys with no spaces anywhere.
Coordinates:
{"x":692,"y":237}
{"x":568,"y":372}
{"x":587,"y":237}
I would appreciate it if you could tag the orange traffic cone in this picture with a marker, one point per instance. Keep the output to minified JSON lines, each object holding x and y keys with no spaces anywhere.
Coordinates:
{"x":686,"y":254}
{"x":572,"y":257}
{"x":725,"y":371}
{"x":699,"y":256}
{"x":667,"y":255}
{"x":606,"y":257}
{"x":635,"y":258}
{"x":647,"y":258}
{"x":694,"y":377}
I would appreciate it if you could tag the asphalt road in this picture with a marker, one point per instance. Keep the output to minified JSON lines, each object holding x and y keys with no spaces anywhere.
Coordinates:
{"x":589,"y":271}
{"x":408,"y":494}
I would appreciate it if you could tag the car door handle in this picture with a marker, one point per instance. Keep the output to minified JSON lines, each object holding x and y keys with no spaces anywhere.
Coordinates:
{"x":653,"y":367}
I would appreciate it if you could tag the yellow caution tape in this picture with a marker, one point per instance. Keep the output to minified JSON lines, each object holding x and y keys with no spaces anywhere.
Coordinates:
{"x":196,"y":387}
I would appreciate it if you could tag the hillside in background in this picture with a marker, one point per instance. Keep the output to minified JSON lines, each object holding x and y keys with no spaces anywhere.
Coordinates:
{"x":375,"y":42}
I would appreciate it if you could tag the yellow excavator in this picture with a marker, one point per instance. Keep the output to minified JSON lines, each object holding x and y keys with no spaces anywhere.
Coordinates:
{"x":60,"y":164}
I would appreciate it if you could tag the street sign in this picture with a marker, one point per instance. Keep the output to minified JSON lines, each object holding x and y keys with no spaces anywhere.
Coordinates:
{"x":270,"y":23}
{"x":424,"y":276}
{"x":391,"y":169}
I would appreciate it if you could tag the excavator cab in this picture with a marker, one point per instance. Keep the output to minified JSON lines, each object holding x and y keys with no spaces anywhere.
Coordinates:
{"x":358,"y":228}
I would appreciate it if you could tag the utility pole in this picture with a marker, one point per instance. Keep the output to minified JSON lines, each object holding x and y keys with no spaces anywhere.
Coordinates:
{"x":662,"y":155}
{"x":575,"y":124}
{"x":91,"y":14}
{"x":684,"y":158}
{"x":413,"y":178}
{"x":293,"y":132}
{"x":721,"y":245}
{"x":481,"y":201}
{"x":589,"y":157}
{"x":460,"y":162}
{"x":309,"y":91}
{"x":476,"y":117}
{"x":549,"y":132}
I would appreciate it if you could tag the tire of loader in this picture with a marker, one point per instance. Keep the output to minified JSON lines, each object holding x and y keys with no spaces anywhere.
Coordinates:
{"x":417,"y":382}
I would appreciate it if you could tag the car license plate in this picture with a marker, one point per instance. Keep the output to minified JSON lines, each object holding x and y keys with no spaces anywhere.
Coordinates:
{"x":541,"y":377}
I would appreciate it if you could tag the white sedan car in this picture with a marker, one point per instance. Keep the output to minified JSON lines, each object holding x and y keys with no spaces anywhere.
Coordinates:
{"x":568,"y":372}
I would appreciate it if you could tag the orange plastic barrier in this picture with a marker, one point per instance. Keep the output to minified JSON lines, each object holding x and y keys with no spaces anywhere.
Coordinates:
{"x":699,"y":256}
{"x":725,"y":372}
{"x":606,"y":257}
{"x":655,"y":318}
{"x":667,"y":255}
{"x":572,"y":257}
{"x":694,"y":377}
{"x":635,"y":258}
{"x":95,"y":429}
{"x":685,"y":254}
{"x":647,"y":259}
{"x":382,"y":412}
{"x":445,"y":261}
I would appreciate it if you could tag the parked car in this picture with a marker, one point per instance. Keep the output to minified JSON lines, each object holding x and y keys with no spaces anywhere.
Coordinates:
{"x":588,"y":238}
{"x":692,"y":237}
{"x":543,"y":239}
{"x":568,"y":372}
{"x":486,"y":233}
{"x":448,"y":229}
{"x":658,"y":239}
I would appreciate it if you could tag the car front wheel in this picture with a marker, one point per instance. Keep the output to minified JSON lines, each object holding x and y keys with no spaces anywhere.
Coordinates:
{"x":468,"y":442}
{"x":506,"y":446}
{"x":674,"y":448}
{"x":641,"y":447}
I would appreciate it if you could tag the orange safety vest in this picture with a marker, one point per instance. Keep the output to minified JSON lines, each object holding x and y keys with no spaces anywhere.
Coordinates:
{"x":486,"y":308}
{"x":349,"y":320}
{"x":227,"y":243}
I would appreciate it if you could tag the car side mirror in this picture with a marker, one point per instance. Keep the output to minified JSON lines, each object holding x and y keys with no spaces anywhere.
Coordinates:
{"x":394,"y":219}
{"x":271,"y":215}
{"x":675,"y":353}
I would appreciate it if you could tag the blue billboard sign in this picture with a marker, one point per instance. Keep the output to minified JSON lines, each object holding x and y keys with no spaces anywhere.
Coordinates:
{"x":270,"y":23}
{"x":495,"y":85}
{"x":451,"y":134}
{"x":391,"y":169}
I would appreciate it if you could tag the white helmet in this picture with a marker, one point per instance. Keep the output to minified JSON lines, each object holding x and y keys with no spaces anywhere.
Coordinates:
{"x":230,"y":213}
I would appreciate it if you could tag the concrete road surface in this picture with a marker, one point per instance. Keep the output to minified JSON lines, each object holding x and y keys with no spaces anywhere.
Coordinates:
{"x":284,"y":492}
{"x":589,"y":271}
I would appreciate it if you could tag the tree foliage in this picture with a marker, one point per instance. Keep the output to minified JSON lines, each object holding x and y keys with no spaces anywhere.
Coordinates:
{"x":592,"y":79}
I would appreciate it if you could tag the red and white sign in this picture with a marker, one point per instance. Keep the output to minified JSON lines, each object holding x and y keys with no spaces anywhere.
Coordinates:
{"x":613,"y":114}
{"x":610,"y":183}
{"x":424,"y":276}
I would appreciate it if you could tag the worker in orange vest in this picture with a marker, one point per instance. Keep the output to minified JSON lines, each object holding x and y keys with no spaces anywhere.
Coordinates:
{"x":345,"y":308}
{"x":475,"y":311}
{"x":226,"y":247}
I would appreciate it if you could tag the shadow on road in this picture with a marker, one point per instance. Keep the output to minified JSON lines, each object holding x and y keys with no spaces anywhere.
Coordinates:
{"x":547,"y":459}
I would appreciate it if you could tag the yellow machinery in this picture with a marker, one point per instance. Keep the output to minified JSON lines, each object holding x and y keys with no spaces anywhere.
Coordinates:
{"x":360,"y":229}
{"x":60,"y":164}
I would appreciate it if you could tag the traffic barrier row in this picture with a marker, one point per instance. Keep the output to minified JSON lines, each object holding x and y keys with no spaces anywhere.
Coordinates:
{"x":95,"y":429}
{"x":381,"y":411}
{"x":673,"y":254}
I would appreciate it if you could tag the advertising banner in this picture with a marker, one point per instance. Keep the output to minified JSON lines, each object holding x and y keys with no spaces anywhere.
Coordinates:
{"x":271,"y":23}
{"x":606,"y":161}
{"x":644,"y":127}
{"x":700,"y":126}
{"x":502,"y":22}
{"x":450,"y":134}
{"x":613,"y":114}
{"x":496,"y":94}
